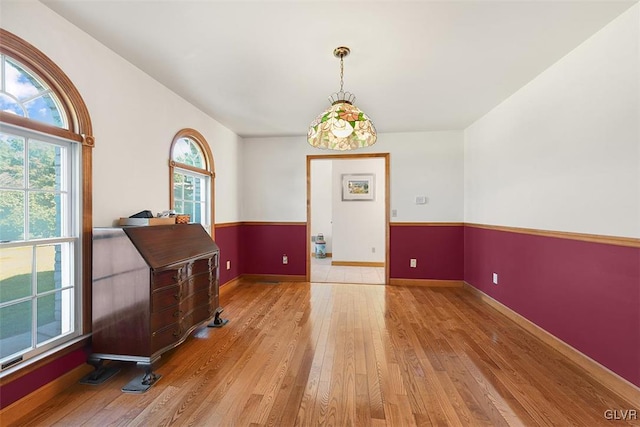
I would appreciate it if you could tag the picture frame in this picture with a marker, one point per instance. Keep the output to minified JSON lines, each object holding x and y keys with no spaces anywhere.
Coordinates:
{"x":358,"y":187}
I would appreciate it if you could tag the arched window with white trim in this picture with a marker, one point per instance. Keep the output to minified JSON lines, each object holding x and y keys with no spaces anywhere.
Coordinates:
{"x":191,"y":172}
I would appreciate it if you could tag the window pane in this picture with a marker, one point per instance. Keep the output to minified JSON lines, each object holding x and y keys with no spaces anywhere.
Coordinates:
{"x":196,"y":156}
{"x":45,"y":166}
{"x":198,"y":187}
{"x":53,"y":264}
{"x":15,"y":273}
{"x":55,"y":315}
{"x":198,"y":213}
{"x":188,"y":188}
{"x":15,"y":328}
{"x":178,"y":181}
{"x":195,"y":194}
{"x":9,"y":105}
{"x":19,"y":83}
{"x":44,"y":109}
{"x":188,"y":209}
{"x":11,"y":215}
{"x":181,"y":150}
{"x":11,"y":161}
{"x":45,"y":217}
{"x":188,"y":152}
{"x":28,"y":96}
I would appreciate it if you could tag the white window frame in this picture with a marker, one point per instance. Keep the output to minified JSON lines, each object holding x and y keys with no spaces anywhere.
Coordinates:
{"x":70,"y":234}
{"x":206,"y":202}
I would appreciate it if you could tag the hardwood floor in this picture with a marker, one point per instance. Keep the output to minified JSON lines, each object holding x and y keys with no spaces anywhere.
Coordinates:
{"x":323,"y":272}
{"x":363,"y":355}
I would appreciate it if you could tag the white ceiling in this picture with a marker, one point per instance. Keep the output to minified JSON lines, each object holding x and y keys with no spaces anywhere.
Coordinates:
{"x":265,"y":68}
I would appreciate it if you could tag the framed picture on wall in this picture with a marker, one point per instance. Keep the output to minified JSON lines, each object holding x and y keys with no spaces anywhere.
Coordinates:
{"x":358,"y":186}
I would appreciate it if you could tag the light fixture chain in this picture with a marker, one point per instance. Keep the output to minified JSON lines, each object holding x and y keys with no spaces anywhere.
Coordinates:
{"x":341,"y":73}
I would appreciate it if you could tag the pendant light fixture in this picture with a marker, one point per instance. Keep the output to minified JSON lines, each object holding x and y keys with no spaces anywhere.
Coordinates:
{"x":342,"y":126}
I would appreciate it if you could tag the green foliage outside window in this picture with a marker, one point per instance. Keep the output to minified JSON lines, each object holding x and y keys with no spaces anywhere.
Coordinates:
{"x":42,"y":189}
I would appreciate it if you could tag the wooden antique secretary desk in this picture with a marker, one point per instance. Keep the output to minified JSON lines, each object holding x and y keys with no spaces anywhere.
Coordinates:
{"x":152,"y":286}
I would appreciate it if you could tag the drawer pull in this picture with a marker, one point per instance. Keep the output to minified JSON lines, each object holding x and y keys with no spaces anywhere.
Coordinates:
{"x":177,"y":313}
{"x":177,"y":296}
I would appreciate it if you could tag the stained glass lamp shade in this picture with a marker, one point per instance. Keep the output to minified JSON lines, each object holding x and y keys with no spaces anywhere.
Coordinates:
{"x":342,"y":126}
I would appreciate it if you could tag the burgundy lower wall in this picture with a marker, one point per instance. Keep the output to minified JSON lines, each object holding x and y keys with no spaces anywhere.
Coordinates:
{"x":262,"y":246}
{"x":16,"y":390}
{"x":586,"y":294}
{"x":439,"y":251}
{"x":228,"y":239}
{"x":257,"y":248}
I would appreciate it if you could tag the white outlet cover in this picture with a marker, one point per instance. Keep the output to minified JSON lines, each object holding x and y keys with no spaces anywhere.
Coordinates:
{"x":413,"y":263}
{"x":495,"y":278}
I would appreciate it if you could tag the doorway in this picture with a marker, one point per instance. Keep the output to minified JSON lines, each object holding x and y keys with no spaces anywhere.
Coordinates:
{"x":348,"y":204}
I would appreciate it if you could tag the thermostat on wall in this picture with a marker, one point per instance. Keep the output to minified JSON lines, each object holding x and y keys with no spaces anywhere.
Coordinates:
{"x":421,"y":200}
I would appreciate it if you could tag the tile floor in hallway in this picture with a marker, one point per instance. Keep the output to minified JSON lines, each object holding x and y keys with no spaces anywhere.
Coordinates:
{"x":322,"y":271}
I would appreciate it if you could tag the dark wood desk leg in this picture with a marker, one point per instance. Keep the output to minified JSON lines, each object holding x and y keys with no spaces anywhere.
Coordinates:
{"x":218,"y":322}
{"x":142,"y":382}
{"x":101,"y":373}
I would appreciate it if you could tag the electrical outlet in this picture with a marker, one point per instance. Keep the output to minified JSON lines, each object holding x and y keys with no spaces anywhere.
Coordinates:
{"x":413,"y":263}
{"x":228,"y":265}
{"x":373,"y":250}
{"x":285,"y":259}
{"x":495,"y":278}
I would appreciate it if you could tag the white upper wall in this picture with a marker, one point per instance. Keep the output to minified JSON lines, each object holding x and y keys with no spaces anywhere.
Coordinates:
{"x":359,"y":226}
{"x":421,"y":164}
{"x":563,"y":153}
{"x":429,"y":164}
{"x":134,"y":120}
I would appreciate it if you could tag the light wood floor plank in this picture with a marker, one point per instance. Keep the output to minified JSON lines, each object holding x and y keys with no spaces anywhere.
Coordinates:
{"x":349,"y":355}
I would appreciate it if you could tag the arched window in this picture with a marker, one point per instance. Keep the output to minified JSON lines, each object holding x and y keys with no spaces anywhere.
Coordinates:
{"x":191,"y":172}
{"x":23,"y":94}
{"x":45,"y":205}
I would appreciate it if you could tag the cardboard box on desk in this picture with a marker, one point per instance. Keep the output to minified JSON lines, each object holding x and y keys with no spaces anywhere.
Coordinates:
{"x":146,"y":221}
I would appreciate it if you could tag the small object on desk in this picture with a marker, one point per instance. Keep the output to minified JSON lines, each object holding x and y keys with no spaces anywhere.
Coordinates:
{"x":142,"y":214}
{"x":182,"y":219}
{"x":146,"y":221}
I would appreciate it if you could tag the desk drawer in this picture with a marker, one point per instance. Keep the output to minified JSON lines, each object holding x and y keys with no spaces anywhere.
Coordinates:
{"x":195,"y":300}
{"x":165,"y":337}
{"x":160,"y":279}
{"x":198,"y":315}
{"x":166,"y":317}
{"x":201,"y":266}
{"x":165,"y":297}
